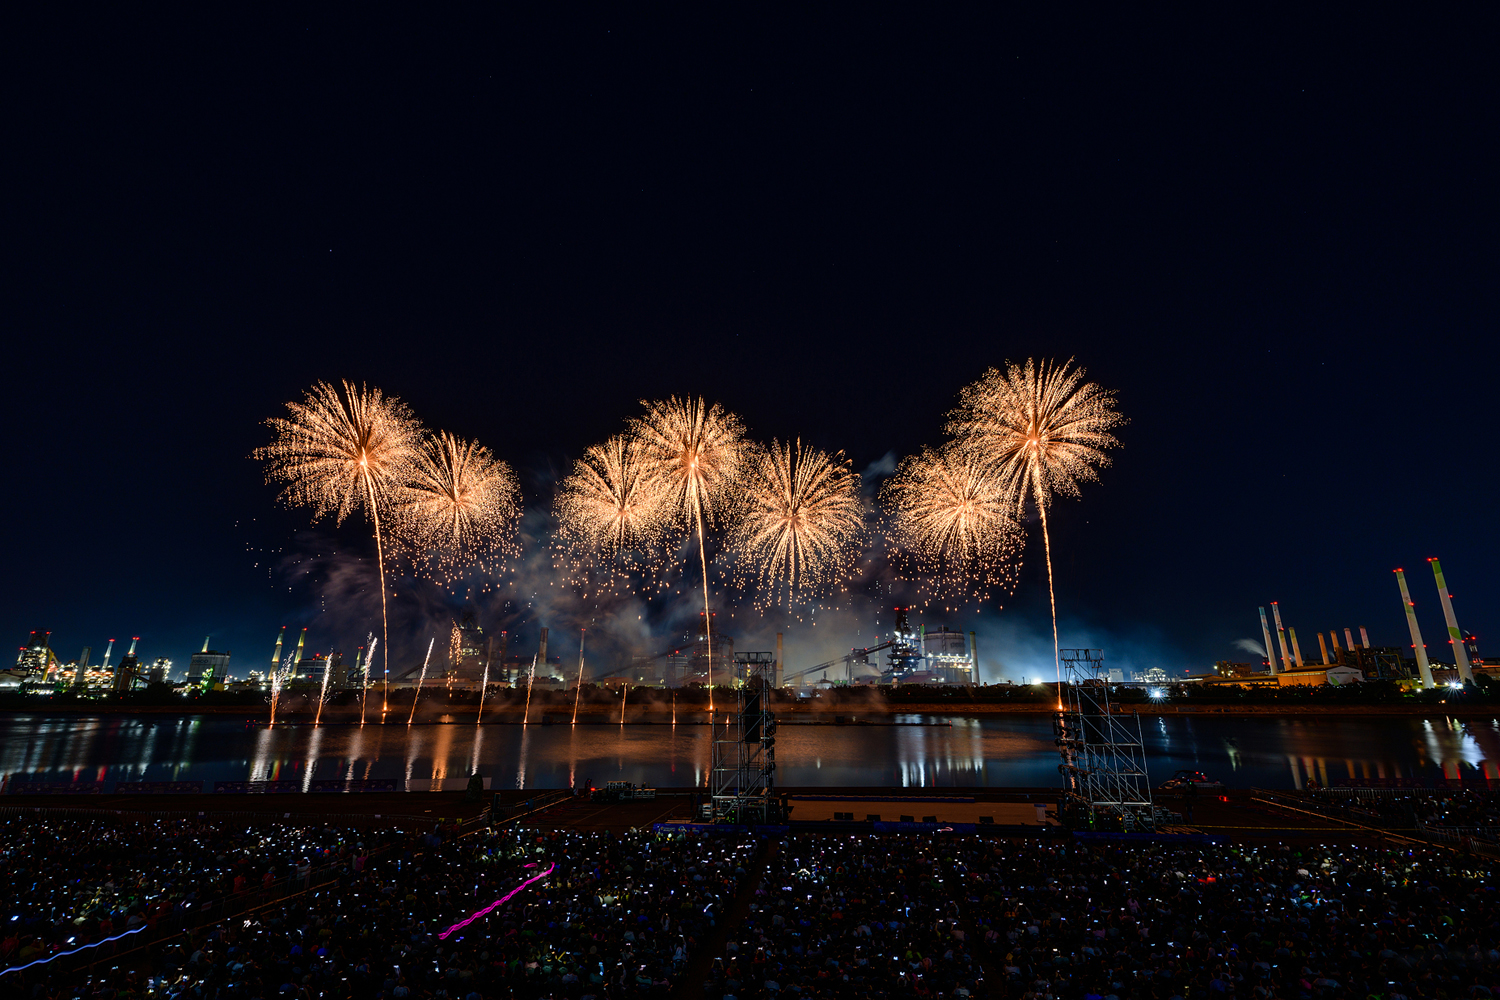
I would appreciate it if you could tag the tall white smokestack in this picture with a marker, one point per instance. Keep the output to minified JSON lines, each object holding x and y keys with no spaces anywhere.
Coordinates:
{"x":1323,"y":645}
{"x":1455,"y":637}
{"x":1349,"y":638}
{"x":1416,"y":633}
{"x":1364,"y":638}
{"x":107,"y":650}
{"x":1265,"y":631}
{"x":1286,"y":660}
{"x":780,"y":664}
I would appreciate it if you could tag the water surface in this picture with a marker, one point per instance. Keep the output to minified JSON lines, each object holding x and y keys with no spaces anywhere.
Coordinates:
{"x":960,"y":750}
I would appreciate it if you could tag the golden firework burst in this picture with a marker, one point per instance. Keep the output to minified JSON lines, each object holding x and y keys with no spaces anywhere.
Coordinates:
{"x":458,"y":508}
{"x":1041,"y":429}
{"x":952,"y":521}
{"x":342,"y":452}
{"x":800,"y":525}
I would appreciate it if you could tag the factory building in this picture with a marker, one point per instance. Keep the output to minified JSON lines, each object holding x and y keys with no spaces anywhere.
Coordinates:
{"x":208,"y":669}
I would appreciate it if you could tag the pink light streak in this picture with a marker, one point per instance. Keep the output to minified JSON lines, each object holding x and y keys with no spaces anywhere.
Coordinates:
{"x":497,"y":903}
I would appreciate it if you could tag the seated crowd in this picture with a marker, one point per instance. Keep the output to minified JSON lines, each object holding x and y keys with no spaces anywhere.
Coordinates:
{"x":565,"y":914}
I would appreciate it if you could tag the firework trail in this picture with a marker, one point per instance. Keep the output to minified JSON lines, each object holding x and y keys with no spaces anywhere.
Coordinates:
{"x":693,"y":451}
{"x":801,"y":524}
{"x":484,"y":682}
{"x":420,"y":678}
{"x":323,"y":692}
{"x":458,"y":508}
{"x":578,"y":691}
{"x":1042,"y":430}
{"x":278,"y":679}
{"x":610,"y":508}
{"x":526,"y":715}
{"x":364,"y":680}
{"x":953,"y":519}
{"x":339,"y":453}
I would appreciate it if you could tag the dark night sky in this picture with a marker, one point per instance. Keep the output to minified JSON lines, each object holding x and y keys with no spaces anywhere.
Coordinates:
{"x":1273,"y":235}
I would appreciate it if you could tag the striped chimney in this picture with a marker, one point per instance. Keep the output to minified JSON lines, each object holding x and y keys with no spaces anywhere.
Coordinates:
{"x":1323,"y":645}
{"x":1286,"y":659}
{"x":1364,"y":638}
{"x":1296,"y":649}
{"x":1416,"y":632}
{"x":1349,"y":638}
{"x":1455,"y":637}
{"x":1265,"y":631}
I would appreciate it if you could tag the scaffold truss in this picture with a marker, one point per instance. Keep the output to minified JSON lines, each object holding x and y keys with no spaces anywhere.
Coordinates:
{"x":742,"y":780}
{"x":1105,"y":783}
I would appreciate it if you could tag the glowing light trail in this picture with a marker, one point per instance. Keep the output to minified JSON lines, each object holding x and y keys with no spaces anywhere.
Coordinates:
{"x":420,"y":678}
{"x":496,"y":904}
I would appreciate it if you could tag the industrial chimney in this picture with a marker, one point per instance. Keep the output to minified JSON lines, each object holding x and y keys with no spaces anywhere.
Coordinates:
{"x":1286,"y":661}
{"x":779,"y":663}
{"x":1455,"y":637}
{"x":1265,"y":631}
{"x":1296,"y":649}
{"x":1416,"y":633}
{"x":1364,"y":638}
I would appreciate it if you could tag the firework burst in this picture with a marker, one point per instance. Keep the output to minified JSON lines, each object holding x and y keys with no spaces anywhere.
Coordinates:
{"x":339,"y":453}
{"x":692,"y":451}
{"x":610,"y":510}
{"x":800,"y":525}
{"x":953,"y":521}
{"x":1041,"y":429}
{"x":458,"y":507}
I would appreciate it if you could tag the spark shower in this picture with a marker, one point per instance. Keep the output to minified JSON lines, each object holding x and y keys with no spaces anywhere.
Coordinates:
{"x":789,"y":523}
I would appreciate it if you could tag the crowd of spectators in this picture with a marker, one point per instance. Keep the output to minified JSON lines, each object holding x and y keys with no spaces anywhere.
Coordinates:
{"x":66,"y":883}
{"x":1475,"y":811}
{"x":567,"y":914}
{"x":852,"y":916}
{"x":601,"y":914}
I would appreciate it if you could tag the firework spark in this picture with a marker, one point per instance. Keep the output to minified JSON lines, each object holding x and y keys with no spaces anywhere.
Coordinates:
{"x":420,"y":678}
{"x":1041,"y":429}
{"x":953,"y":519}
{"x":693,"y":452}
{"x":801,"y":523}
{"x":339,"y":453}
{"x":458,"y":508}
{"x":610,"y":510}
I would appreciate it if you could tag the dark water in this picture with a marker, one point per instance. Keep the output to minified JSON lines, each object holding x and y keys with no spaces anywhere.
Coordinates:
{"x":1006,"y":751}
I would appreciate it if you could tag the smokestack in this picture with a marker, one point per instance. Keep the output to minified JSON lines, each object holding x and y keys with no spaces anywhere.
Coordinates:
{"x":1416,"y":633}
{"x":542,"y":652}
{"x":1364,"y":638}
{"x":1265,"y":631}
{"x":133,"y":640}
{"x":1323,"y":645}
{"x":974,"y":657}
{"x":779,"y":662}
{"x":1286,"y":659}
{"x":1296,"y":649}
{"x":83,"y":664}
{"x":276,"y":653}
{"x":301,"y":641}
{"x":1349,"y":638}
{"x":1455,"y":637}
{"x":110,"y":648}
{"x":1333,"y":640}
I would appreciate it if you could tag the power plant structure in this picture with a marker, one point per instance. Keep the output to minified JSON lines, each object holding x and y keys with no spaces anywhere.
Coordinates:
{"x":913,"y":656}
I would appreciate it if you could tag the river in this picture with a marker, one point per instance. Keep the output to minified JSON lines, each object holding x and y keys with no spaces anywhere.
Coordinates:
{"x":928,"y":751}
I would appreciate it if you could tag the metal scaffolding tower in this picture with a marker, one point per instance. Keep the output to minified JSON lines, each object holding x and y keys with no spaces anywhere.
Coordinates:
{"x":1103,"y":759}
{"x":742,"y":780}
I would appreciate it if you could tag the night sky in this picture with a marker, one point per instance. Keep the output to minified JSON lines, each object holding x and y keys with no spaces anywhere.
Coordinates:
{"x":1272,"y":233}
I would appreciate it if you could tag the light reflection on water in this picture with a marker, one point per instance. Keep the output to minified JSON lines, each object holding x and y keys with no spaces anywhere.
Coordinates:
{"x":993,"y":751}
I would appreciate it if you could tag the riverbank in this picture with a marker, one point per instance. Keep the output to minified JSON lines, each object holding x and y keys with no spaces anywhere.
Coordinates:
{"x":814,"y":713}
